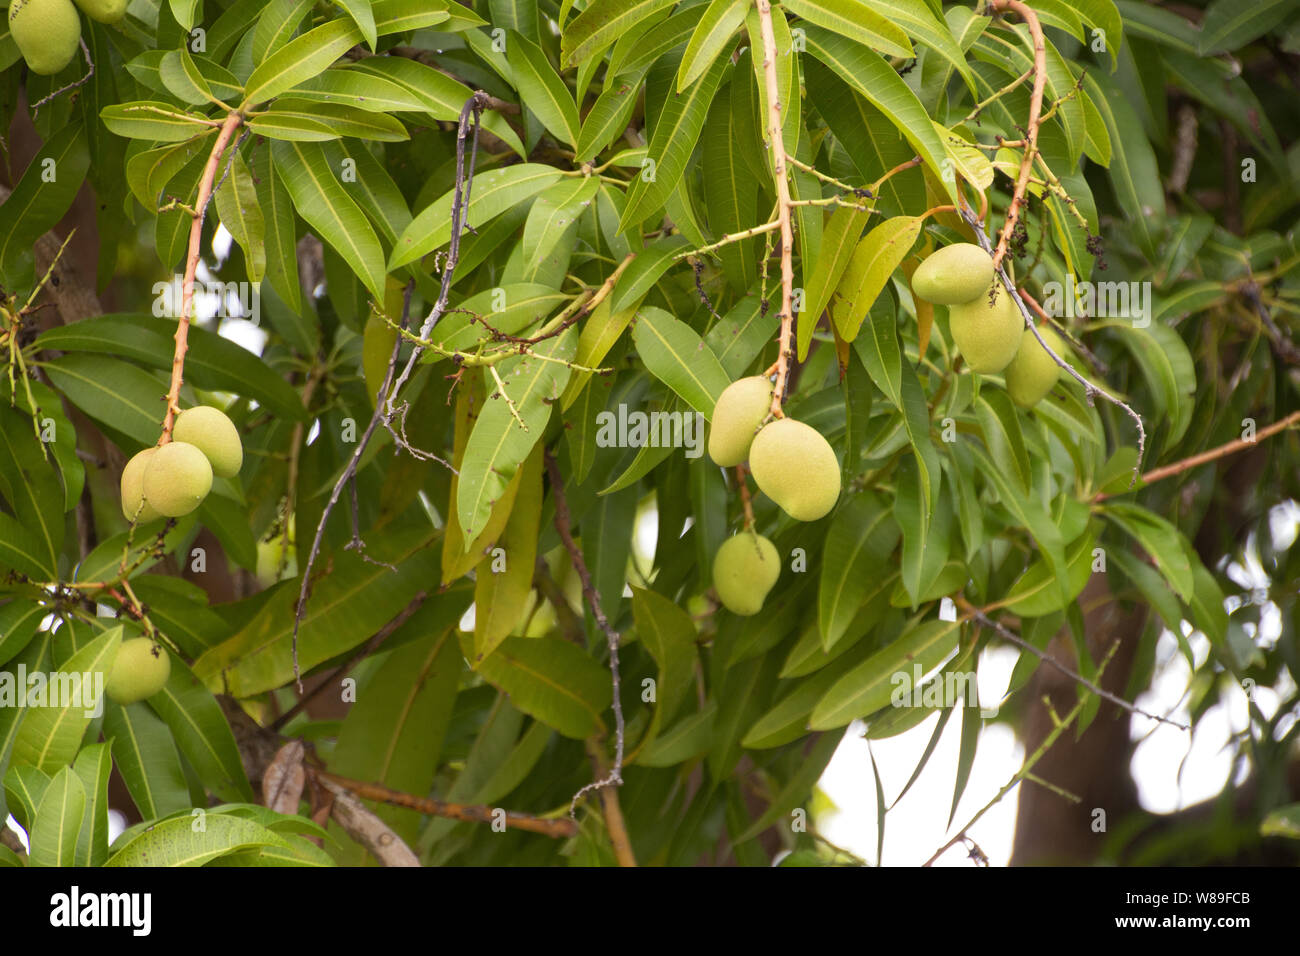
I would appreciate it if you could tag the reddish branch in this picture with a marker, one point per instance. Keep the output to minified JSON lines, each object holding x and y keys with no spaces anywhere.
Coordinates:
{"x":1031,"y":130}
{"x":233,"y":119}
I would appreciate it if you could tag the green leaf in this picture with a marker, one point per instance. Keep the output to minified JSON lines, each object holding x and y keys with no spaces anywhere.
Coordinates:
{"x":153,"y":120}
{"x":872,"y":77}
{"x":399,"y":16}
{"x":146,"y":757}
{"x":499,"y":444}
{"x":58,"y":821}
{"x":1230,"y":25}
{"x":541,"y":89}
{"x":673,"y":136}
{"x":363,"y":16}
{"x":181,"y":76}
{"x":674,"y":353}
{"x":280,"y":244}
{"x":1002,"y":435}
{"x":550,"y":231}
{"x":41,"y":197}
{"x":798,"y":788}
{"x":870,"y":686}
{"x":856,"y":20}
{"x":550,"y":679}
{"x":716,"y":28}
{"x":201,"y":732}
{"x":739,"y":336}
{"x":603,"y":22}
{"x":349,"y":605}
{"x":1035,"y":594}
{"x":880,"y":252}
{"x":840,"y":240}
{"x":493,"y":193}
{"x":308,"y":121}
{"x":240,"y":213}
{"x":177,"y":842}
{"x":92,"y":767}
{"x":331,"y":212}
{"x":29,"y":485}
{"x":50,"y":735}
{"x":857,"y":551}
{"x":669,"y":635}
{"x":1133,"y":171}
{"x":645,"y":270}
{"x":501,"y":593}
{"x":1282,"y":822}
{"x":608,"y":117}
{"x":300,"y":58}
{"x":24,"y":787}
{"x":213,"y":362}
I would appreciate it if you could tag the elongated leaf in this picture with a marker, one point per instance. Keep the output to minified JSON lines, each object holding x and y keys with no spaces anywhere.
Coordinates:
{"x":58,"y":821}
{"x":300,"y":58}
{"x":92,"y":767}
{"x":501,"y":592}
{"x":177,"y":842}
{"x":675,"y":354}
{"x":855,"y":19}
{"x":50,"y":735}
{"x":542,"y":90}
{"x":29,"y":485}
{"x":840,"y":241}
{"x":201,"y":732}
{"x":146,"y":757}
{"x":494,"y":192}
{"x":601,"y":23}
{"x":716,"y":28}
{"x":333,"y":215}
{"x":240,"y":213}
{"x":552,"y":680}
{"x":858,"y":546}
{"x":1229,"y":25}
{"x":499,"y":443}
{"x":874,"y":260}
{"x":152,"y":120}
{"x":308,"y":121}
{"x":42,"y":196}
{"x":869,"y":686}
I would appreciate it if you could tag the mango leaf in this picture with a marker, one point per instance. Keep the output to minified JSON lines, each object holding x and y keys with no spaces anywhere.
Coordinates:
{"x":58,"y":821}
{"x":493,"y":193}
{"x":645,"y":270}
{"x":300,"y":58}
{"x":1158,"y":538}
{"x":40,"y":199}
{"x":858,"y":547}
{"x":716,"y":28}
{"x":31,"y":489}
{"x":331,"y":212}
{"x":669,"y":635}
{"x":499,"y":443}
{"x":541,"y":89}
{"x":854,"y":19}
{"x":146,"y":757}
{"x":603,"y":22}
{"x":176,"y":842}
{"x":92,"y":767}
{"x":840,"y":240}
{"x":501,"y":593}
{"x":240,"y":213}
{"x":348,"y":606}
{"x":880,"y":252}
{"x":674,"y":353}
{"x":50,"y":735}
{"x":869,"y":686}
{"x":871,"y":76}
{"x":153,"y":120}
{"x":550,"y":679}
{"x":201,"y":732}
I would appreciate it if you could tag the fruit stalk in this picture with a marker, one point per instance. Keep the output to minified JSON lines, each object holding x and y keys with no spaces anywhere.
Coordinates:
{"x":1031,"y":128}
{"x":776,"y":143}
{"x":191,"y":268}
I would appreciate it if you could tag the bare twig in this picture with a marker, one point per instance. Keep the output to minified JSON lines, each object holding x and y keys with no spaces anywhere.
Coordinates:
{"x":559,"y":828}
{"x":1008,"y":635}
{"x":232,"y":121}
{"x":563,"y":526}
{"x":90,"y":71}
{"x":1229,"y":448}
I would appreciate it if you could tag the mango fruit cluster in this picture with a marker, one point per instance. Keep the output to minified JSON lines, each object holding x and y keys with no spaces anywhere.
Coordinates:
{"x":986,"y":326}
{"x":791,"y":463}
{"x":172,"y":480}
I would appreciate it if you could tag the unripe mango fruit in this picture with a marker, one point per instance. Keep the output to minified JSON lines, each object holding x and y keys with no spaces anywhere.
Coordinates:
{"x":988,"y":338}
{"x":956,"y":273}
{"x":744,"y":570}
{"x":139,"y":671}
{"x":46,"y":32}
{"x":740,"y":409}
{"x":105,"y":11}
{"x":177,"y":479}
{"x":1033,"y":372}
{"x":134,"y":507}
{"x":211,"y":432}
{"x":797,"y":468}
